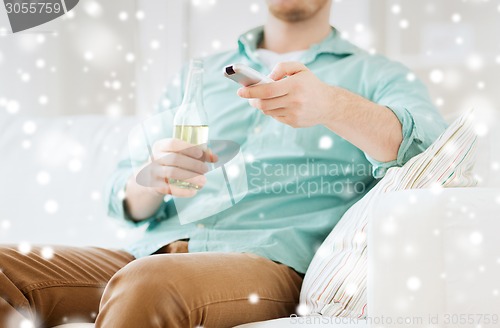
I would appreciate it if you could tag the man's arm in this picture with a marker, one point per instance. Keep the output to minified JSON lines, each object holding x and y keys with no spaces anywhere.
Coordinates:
{"x":302,"y":100}
{"x":140,"y":202}
{"x":370,"y":127}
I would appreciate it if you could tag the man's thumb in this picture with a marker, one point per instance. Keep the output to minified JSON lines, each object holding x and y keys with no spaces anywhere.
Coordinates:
{"x":284,"y":69}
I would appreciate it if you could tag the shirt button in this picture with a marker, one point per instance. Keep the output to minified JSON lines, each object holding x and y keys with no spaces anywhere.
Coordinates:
{"x":200,"y":226}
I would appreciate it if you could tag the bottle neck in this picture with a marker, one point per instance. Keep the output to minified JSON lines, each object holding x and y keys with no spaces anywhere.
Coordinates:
{"x":194,"y":88}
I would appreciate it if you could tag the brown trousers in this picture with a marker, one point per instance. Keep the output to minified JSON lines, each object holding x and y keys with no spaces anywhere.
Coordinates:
{"x":165,"y":290}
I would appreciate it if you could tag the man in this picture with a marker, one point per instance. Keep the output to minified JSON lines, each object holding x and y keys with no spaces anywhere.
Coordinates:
{"x":344,"y":115}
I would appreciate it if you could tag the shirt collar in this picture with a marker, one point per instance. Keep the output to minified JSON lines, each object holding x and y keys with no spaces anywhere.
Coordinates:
{"x":332,"y":44}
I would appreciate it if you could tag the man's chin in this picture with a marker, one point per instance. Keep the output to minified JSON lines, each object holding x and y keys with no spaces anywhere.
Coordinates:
{"x":295,"y":11}
{"x":293,"y":16}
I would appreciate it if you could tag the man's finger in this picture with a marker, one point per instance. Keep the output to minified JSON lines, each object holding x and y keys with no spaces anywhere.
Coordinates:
{"x":264,"y":91}
{"x":182,"y":161}
{"x":172,"y":172}
{"x":210,"y":156}
{"x":182,"y":192}
{"x":177,"y":145}
{"x":284,"y":69}
{"x":280,"y":112}
{"x":164,"y":186}
{"x":268,"y":104}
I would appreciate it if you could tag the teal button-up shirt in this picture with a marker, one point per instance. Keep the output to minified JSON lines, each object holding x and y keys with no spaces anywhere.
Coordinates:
{"x":301,"y":181}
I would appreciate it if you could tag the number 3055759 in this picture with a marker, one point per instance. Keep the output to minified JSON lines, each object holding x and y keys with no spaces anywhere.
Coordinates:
{"x":33,"y":8}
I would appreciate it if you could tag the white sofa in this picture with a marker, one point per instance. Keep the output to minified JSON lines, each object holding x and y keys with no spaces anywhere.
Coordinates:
{"x":52,"y":173}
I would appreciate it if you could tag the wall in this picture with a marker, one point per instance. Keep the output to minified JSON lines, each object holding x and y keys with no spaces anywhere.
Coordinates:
{"x":451,"y":46}
{"x":73,"y":65}
{"x":116,"y":57}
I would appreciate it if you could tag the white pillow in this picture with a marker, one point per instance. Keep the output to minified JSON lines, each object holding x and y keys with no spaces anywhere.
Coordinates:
{"x":335,"y":282}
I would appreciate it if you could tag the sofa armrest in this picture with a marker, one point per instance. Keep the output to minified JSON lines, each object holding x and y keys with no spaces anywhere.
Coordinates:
{"x":435,"y":252}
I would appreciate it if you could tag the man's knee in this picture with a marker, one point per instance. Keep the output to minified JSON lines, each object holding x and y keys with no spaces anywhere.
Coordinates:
{"x":148,"y":289}
{"x":148,"y":274}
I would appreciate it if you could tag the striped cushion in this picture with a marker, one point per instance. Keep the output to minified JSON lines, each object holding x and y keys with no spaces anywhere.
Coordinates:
{"x":335,"y":282}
